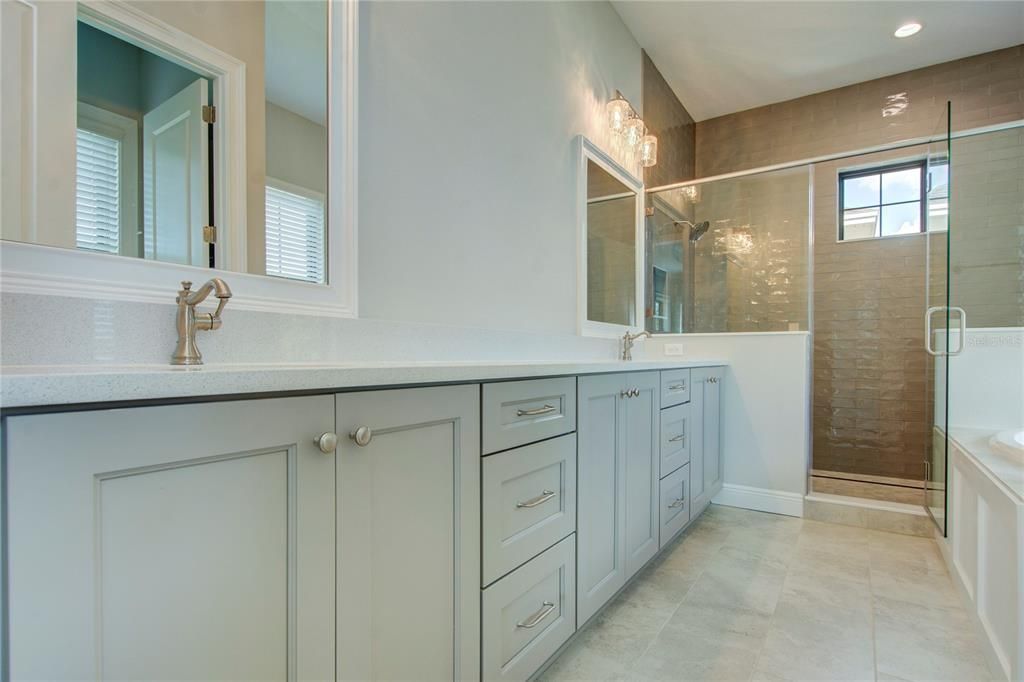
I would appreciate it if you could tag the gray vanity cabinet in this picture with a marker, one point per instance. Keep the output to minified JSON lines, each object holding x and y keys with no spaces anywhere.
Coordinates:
{"x":705,"y":447}
{"x":175,"y":542}
{"x":617,"y":478}
{"x":409,"y":534}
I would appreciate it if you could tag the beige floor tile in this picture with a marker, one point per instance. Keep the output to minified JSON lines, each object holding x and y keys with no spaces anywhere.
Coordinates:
{"x":735,"y":626}
{"x":810,"y":560}
{"x":581,"y":663}
{"x":740,"y":579}
{"x":694,"y":658}
{"x":922,"y":643}
{"x":826,"y":592}
{"x":811,"y":641}
{"x":922,"y":551}
{"x":912,"y":581}
{"x":744,"y":595}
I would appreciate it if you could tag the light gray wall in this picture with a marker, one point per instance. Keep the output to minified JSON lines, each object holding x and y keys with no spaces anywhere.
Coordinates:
{"x":467,"y":160}
{"x":296,"y":149}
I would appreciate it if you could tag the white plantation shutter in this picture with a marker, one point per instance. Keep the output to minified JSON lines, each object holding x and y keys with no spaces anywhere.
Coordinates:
{"x":97,"y":193}
{"x":295,"y":235}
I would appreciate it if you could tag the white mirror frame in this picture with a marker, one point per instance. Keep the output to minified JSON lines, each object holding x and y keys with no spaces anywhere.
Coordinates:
{"x":35,"y":269}
{"x":588,"y":151}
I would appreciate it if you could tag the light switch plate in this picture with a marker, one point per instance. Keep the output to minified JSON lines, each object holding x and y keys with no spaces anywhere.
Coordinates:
{"x":673,"y":349}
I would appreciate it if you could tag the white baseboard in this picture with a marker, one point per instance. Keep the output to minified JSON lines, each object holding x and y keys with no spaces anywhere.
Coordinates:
{"x":761,"y":499}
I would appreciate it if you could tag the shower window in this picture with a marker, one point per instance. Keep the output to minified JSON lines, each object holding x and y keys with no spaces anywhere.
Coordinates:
{"x":883,"y":201}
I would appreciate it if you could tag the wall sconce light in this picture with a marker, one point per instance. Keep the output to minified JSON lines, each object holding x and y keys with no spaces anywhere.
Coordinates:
{"x":624,"y":121}
{"x":619,"y":111}
{"x":649,"y":151}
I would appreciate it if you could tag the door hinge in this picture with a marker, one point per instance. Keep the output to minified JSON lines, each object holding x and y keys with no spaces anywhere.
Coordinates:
{"x":210,"y":234}
{"x":649,"y":211}
{"x":209,"y":113}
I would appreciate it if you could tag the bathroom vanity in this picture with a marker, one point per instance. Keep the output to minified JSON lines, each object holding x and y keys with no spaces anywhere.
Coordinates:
{"x":456,"y":530}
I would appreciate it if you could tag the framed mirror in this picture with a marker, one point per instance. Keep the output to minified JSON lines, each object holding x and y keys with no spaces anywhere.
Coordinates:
{"x":201,"y":135}
{"x":611,"y":239}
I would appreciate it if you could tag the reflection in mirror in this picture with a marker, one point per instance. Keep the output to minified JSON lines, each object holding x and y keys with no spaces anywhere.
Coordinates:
{"x":151,"y":164}
{"x":611,"y":248}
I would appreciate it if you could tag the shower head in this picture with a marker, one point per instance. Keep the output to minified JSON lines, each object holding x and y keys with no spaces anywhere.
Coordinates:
{"x":697,"y":230}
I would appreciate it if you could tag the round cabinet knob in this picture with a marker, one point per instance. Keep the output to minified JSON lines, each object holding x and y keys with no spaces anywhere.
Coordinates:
{"x":362,"y":436}
{"x":327,"y":442}
{"x":626,"y":394}
{"x":635,"y":392}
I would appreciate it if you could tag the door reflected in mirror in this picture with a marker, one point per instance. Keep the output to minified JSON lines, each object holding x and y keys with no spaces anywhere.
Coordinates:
{"x":611,"y":248}
{"x":151,"y":144}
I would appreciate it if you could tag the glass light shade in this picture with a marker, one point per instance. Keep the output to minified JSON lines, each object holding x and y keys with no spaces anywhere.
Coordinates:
{"x":649,"y":151}
{"x":619,"y":111}
{"x":691,"y":193}
{"x":634,"y":131}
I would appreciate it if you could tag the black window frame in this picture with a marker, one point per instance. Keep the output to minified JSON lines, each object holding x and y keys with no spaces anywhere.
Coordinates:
{"x":920,"y":164}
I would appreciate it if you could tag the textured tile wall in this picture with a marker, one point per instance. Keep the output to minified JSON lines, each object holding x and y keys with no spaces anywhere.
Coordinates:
{"x":667,"y":118}
{"x":872,"y":402}
{"x":985,"y":89}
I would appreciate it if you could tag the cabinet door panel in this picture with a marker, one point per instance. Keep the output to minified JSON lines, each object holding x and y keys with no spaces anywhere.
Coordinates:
{"x":600,"y":498}
{"x":642,"y":461}
{"x":161,"y":542}
{"x":409,"y":534}
{"x":699,"y":380}
{"x":712,"y":432}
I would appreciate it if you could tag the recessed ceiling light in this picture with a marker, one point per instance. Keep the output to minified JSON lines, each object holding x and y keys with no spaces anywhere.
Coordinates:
{"x":907,"y":30}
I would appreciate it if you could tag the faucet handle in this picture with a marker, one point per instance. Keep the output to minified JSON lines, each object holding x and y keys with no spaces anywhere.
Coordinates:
{"x":186,"y":285}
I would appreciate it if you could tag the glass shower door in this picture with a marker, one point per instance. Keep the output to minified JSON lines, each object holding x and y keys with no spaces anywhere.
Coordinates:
{"x":940,"y":340}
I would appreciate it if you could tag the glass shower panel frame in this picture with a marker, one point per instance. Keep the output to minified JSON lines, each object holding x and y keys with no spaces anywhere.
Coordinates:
{"x":940,"y":341}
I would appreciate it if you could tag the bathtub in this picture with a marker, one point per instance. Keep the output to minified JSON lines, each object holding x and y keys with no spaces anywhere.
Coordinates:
{"x":1009,"y":444}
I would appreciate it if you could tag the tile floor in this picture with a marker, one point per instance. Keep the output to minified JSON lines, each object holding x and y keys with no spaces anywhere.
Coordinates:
{"x":751,"y":596}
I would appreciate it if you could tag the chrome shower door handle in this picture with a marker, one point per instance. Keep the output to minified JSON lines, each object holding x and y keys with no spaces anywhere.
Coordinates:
{"x":963,"y":330}
{"x":961,"y":313}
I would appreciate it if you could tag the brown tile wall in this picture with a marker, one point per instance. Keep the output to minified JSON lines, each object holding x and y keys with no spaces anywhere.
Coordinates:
{"x":667,"y":118}
{"x":871,"y":398}
{"x":985,"y":89}
{"x":751,"y":267}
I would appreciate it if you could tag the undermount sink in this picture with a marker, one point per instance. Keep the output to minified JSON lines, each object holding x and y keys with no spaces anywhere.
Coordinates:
{"x":1009,"y":445}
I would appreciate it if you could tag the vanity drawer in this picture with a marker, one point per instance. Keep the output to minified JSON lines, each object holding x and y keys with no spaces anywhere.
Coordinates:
{"x":675,"y":387}
{"x":529,"y":503}
{"x":675,"y":504}
{"x":675,"y":438}
{"x":529,"y":614}
{"x":520,"y":412}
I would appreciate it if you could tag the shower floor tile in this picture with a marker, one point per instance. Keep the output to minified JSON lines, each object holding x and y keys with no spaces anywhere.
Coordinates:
{"x":751,"y":596}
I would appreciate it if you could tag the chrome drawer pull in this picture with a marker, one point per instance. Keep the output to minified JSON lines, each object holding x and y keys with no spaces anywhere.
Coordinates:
{"x":534,"y":620}
{"x":677,"y":387}
{"x":677,"y":503}
{"x":533,"y":413}
{"x":537,"y":501}
{"x":676,"y":438}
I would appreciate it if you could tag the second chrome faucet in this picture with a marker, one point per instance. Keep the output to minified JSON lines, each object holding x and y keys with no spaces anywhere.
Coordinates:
{"x":627,"y":343}
{"x":189,"y":321}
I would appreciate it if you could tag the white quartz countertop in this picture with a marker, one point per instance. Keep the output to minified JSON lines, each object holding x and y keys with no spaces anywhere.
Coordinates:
{"x":39,"y":386}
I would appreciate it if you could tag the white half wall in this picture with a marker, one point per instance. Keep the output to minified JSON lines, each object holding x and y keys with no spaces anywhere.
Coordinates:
{"x":467,"y":163}
{"x":765,"y":414}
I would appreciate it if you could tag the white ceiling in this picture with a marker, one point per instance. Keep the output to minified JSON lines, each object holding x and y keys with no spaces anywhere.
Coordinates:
{"x":296,"y":57}
{"x":722,"y":57}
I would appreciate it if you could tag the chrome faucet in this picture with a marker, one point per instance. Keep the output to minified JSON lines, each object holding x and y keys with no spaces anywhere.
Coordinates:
{"x":188,"y":322}
{"x":627,"y":343}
